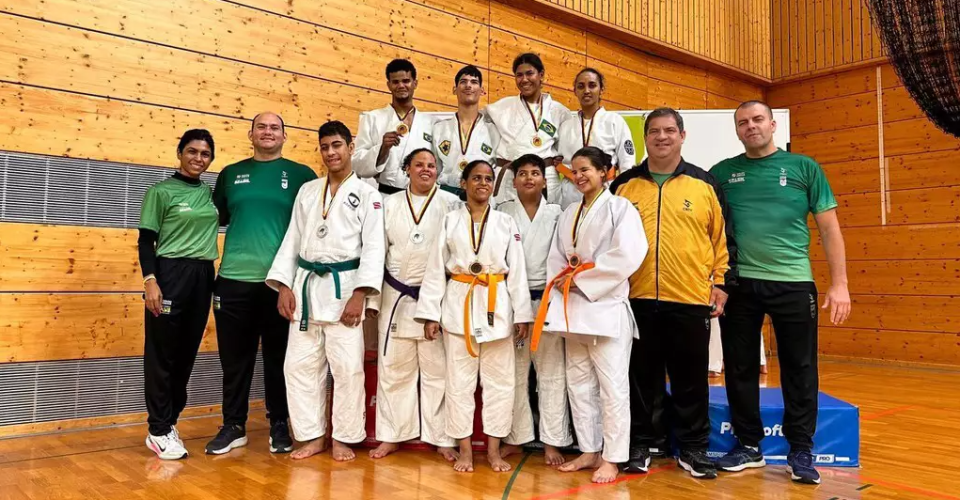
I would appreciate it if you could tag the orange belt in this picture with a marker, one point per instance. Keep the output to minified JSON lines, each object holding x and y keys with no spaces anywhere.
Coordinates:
{"x":574,"y":267}
{"x":566,"y":172}
{"x":488,"y":280}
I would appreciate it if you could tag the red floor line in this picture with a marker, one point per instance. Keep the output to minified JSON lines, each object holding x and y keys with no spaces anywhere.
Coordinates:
{"x":588,"y":487}
{"x":884,"y":413}
{"x":892,"y":485}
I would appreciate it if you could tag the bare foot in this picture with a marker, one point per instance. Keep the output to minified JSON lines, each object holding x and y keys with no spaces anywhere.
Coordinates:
{"x":383,"y":450}
{"x":606,"y":473}
{"x":584,"y":461}
{"x":310,"y":449}
{"x":464,"y":462}
{"x":509,"y":449}
{"x":342,"y":452}
{"x":448,"y":453}
{"x":497,"y":463}
{"x":552,"y":456}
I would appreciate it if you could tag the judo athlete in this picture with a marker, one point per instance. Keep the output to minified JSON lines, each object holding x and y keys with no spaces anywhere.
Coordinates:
{"x":466,"y":136}
{"x":537,"y":221}
{"x":331,"y":259}
{"x":484,"y":308}
{"x":412,"y":220}
{"x":387,"y":135}
{"x":528,"y":123}
{"x":593,"y":126}
{"x":599,"y":243}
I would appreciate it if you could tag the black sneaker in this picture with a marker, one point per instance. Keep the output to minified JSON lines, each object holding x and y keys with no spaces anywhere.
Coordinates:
{"x":639,"y":462}
{"x":697,"y":464}
{"x":741,"y":458}
{"x":800,"y":467}
{"x":280,"y":441}
{"x":229,"y":437}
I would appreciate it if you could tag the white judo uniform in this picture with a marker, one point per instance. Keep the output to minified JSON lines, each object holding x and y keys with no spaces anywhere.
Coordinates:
{"x":373,"y":124}
{"x":601,"y":328}
{"x":716,"y":348}
{"x":404,"y":410}
{"x":453,"y":153}
{"x":500,"y":253}
{"x":607,"y":131}
{"x":351,"y":230}
{"x":518,"y":125}
{"x":537,"y":237}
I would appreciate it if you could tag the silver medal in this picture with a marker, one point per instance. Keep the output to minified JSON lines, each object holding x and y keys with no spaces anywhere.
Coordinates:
{"x":416,"y":237}
{"x":322,"y":231}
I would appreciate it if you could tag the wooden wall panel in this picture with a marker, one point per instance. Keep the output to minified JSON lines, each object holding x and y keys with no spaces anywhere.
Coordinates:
{"x":898,"y":207}
{"x":816,"y":36}
{"x":39,"y":326}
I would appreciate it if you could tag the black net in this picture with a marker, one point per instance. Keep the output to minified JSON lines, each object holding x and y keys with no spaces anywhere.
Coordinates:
{"x":921,"y":38}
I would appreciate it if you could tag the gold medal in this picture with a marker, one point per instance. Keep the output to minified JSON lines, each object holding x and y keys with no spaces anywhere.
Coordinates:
{"x":574,"y":260}
{"x":536,"y":141}
{"x":476,"y":268}
{"x":402,"y":128}
{"x":463,"y":164}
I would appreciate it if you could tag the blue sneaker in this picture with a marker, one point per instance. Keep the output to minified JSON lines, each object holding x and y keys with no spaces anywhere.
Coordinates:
{"x":800,"y":467}
{"x":741,"y":458}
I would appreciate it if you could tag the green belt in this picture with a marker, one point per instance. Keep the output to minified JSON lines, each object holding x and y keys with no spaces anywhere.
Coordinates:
{"x":321,"y":269}
{"x":452,"y":189}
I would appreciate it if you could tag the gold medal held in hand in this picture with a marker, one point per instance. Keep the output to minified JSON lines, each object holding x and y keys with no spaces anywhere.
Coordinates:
{"x":402,"y":128}
{"x":536,"y":141}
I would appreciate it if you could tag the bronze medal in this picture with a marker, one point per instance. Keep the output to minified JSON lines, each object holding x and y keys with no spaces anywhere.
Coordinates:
{"x":574,"y":260}
{"x":476,"y":268}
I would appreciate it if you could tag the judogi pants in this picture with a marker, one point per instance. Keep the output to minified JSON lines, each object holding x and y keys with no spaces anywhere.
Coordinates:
{"x":402,"y":413}
{"x":674,"y":342}
{"x":598,"y":383}
{"x":246,"y":315}
{"x":549,"y":362}
{"x":171,"y":340}
{"x":794,"y":310}
{"x":495,"y":366}
{"x":310,"y":354}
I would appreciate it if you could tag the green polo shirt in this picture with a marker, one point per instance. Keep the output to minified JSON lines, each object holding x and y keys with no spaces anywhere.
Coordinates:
{"x":184,"y":218}
{"x":769,"y":200}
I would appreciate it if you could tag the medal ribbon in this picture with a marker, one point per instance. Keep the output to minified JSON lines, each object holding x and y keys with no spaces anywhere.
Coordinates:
{"x":423,"y":209}
{"x":465,"y":141}
{"x":474,"y":241}
{"x":405,"y":115}
{"x":581,"y":215}
{"x":586,"y":134}
{"x":323,"y":201}
{"x":539,"y":118}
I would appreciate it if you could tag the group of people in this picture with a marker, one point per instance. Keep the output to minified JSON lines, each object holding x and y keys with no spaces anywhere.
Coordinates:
{"x":481,"y":244}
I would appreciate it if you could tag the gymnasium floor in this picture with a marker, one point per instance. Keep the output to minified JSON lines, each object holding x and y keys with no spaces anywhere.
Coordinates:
{"x":910,"y":449}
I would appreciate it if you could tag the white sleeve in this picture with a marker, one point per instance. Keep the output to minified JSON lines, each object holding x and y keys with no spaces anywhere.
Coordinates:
{"x":434,"y":284}
{"x":626,"y":253}
{"x":367,"y":148}
{"x":626,"y":149}
{"x":553,"y":184}
{"x":283,"y":271}
{"x":517,"y":284}
{"x":494,"y":142}
{"x":373,"y":301}
{"x":557,"y":257}
{"x":372,"y":247}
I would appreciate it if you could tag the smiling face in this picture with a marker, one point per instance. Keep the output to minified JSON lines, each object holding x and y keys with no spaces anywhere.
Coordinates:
{"x":335,"y":153}
{"x":267,"y":134}
{"x":195,"y":158}
{"x":529,"y":182}
{"x":422,"y":172}
{"x":587,"y":177}
{"x":664,"y":137}
{"x":588,"y":89}
{"x":468,"y":90}
{"x":529,"y":80}
{"x":401,"y":85}
{"x":479,"y":183}
{"x":755,"y":127}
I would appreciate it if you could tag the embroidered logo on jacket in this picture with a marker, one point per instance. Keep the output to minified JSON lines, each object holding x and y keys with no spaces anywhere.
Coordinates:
{"x":445,"y":148}
{"x":486,"y":149}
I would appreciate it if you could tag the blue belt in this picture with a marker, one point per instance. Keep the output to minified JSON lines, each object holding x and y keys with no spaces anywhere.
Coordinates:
{"x":405,"y":291}
{"x":321,"y":269}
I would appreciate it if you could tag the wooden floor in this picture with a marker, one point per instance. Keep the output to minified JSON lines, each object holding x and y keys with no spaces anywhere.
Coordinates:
{"x":910,"y":435}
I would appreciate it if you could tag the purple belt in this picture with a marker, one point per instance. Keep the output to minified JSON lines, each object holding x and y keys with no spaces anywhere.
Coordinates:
{"x":405,"y":291}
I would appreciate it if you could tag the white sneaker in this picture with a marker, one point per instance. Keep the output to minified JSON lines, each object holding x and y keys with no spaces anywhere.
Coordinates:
{"x":168,"y":447}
